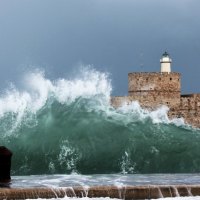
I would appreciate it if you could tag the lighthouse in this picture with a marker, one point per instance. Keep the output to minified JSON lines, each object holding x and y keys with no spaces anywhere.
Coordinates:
{"x":165,"y":63}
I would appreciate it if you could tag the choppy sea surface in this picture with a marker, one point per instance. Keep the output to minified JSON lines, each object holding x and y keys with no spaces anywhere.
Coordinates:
{"x":104,"y":180}
{"x":118,"y":180}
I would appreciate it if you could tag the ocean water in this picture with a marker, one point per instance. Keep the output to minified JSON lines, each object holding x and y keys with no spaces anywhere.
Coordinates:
{"x":118,"y":180}
{"x":67,"y":126}
{"x":62,"y":182}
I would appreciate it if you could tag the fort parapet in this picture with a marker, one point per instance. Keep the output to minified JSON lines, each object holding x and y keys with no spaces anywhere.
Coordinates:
{"x":153,"y":89}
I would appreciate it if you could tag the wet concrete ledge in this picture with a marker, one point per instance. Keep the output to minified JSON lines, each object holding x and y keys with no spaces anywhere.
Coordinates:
{"x":128,"y":192}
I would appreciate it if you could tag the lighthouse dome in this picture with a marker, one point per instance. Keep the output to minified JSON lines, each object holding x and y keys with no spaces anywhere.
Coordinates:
{"x":165,"y":58}
{"x":165,"y":54}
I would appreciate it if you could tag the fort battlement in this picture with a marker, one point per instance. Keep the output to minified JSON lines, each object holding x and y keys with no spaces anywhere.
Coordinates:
{"x":153,"y":89}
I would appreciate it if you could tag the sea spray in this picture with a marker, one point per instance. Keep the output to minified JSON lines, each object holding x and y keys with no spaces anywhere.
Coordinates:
{"x":68,"y":125}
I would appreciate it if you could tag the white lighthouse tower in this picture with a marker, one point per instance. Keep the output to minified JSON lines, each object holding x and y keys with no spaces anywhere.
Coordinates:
{"x":165,"y":63}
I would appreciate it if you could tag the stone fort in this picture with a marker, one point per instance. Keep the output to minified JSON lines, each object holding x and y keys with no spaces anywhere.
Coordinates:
{"x":153,"y":89}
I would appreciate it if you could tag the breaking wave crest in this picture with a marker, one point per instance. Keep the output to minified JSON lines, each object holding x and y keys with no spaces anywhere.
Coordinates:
{"x":68,"y":125}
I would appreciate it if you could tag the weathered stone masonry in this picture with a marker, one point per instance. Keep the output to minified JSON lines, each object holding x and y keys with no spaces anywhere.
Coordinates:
{"x":154,"y":89}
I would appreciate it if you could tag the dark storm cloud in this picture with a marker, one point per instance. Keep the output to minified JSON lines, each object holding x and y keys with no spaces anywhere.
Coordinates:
{"x":117,"y":36}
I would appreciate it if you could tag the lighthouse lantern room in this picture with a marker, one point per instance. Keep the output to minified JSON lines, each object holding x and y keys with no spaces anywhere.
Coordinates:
{"x":165,"y":62}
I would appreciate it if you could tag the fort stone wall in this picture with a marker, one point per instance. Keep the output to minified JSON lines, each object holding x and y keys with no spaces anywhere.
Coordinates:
{"x":152,"y":90}
{"x":189,"y":109}
{"x":154,"y":81}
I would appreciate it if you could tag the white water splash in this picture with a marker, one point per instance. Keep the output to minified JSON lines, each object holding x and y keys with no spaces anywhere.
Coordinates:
{"x":39,"y":89}
{"x":68,"y":156}
{"x":126,"y":164}
{"x":21,"y":106}
{"x":89,"y":84}
{"x":159,"y":115}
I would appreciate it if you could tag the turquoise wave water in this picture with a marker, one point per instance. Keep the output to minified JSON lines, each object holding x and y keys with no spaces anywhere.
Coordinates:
{"x":66,"y":126}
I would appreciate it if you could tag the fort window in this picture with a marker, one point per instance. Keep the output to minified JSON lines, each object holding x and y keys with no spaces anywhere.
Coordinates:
{"x":170,"y":79}
{"x":147,"y":79}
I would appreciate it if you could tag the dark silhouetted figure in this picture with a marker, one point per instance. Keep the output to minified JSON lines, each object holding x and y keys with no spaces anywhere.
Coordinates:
{"x":5,"y":165}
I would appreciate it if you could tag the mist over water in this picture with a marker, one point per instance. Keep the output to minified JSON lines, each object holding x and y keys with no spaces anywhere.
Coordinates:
{"x":68,"y":125}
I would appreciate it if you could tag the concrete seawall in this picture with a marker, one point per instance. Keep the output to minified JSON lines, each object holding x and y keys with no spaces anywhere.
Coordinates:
{"x":128,"y":192}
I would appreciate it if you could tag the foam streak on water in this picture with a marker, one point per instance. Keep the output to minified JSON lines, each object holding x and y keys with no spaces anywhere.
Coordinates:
{"x":119,"y":180}
{"x":68,"y":125}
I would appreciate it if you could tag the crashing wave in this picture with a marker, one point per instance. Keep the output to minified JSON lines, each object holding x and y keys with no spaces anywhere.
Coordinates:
{"x":69,"y":125}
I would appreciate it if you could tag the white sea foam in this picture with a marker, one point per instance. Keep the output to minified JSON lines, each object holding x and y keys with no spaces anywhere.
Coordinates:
{"x":159,"y":115}
{"x":126,"y":165}
{"x":22,"y":105}
{"x":39,"y":89}
{"x":89,"y":84}
{"x":68,"y":156}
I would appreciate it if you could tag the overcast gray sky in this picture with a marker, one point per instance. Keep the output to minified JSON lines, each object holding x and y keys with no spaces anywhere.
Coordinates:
{"x":117,"y":36}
